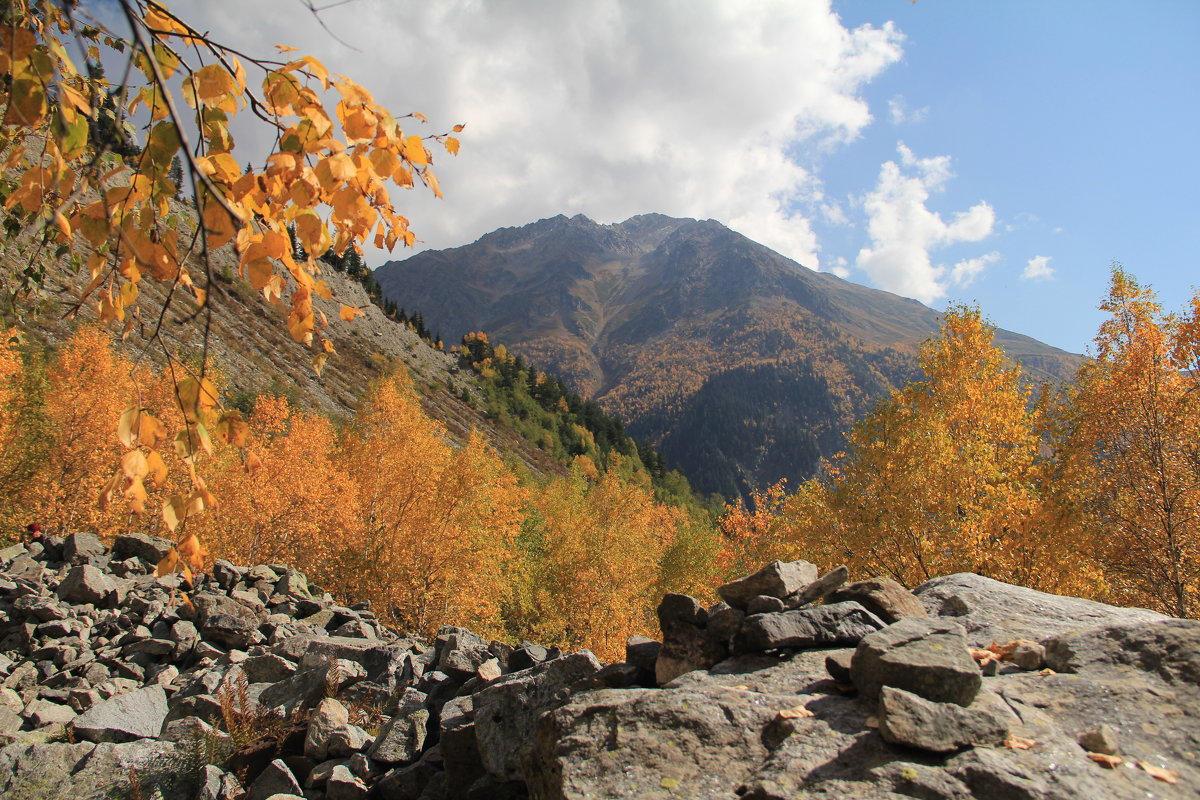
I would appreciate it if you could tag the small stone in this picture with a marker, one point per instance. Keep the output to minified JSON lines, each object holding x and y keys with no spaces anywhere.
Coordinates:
{"x":344,"y":785}
{"x":764,"y":604}
{"x":148,"y":549}
{"x":1100,"y":739}
{"x":275,"y":779}
{"x":81,"y":548}
{"x":1029,"y":656}
{"x":489,"y":670}
{"x":41,"y":713}
{"x":347,"y":740}
{"x":125,"y":717}
{"x":837,"y":664}
{"x":402,"y":737}
{"x":328,"y":717}
{"x":86,"y":584}
{"x":820,"y":588}
{"x":822,"y":626}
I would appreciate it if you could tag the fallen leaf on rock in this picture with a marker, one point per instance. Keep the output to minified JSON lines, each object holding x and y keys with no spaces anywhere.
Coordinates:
{"x":1047,"y":671}
{"x":669,"y":783}
{"x":1019,"y":743}
{"x":872,"y":722}
{"x":1105,"y":760}
{"x":983,"y":657}
{"x":741,"y":687}
{"x":1161,"y":773}
{"x":798,"y":712}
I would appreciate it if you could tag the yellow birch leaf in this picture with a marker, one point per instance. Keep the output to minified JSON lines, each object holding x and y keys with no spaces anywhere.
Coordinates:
{"x":414,"y":151}
{"x":169,"y":562}
{"x":157,"y":467}
{"x":128,"y":426}
{"x":348,"y":313}
{"x":133,"y":464}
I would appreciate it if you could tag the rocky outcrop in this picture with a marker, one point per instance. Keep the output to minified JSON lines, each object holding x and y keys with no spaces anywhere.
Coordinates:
{"x":796,"y":686}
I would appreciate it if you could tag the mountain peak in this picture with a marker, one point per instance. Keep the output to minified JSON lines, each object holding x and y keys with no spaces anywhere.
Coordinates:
{"x":740,"y":364}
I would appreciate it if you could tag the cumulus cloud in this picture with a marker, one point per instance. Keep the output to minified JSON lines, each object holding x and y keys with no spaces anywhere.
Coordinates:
{"x":904,"y":230}
{"x":900,"y":113}
{"x":608,"y":108}
{"x":966,"y":271}
{"x":1038,"y":269}
{"x":840,"y":268}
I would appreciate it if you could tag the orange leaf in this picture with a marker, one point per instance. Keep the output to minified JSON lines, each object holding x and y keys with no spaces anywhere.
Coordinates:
{"x":168,"y":564}
{"x":348,"y":313}
{"x":1105,"y":760}
{"x":1019,"y":743}
{"x":1159,"y":773}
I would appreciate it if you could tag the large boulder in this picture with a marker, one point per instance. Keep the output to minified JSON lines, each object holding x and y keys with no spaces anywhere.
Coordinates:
{"x":125,"y":717}
{"x":505,"y":711}
{"x":833,"y":625}
{"x":86,"y":771}
{"x":913,"y":721}
{"x":225,"y":620}
{"x":927,"y":657}
{"x":648,"y":743}
{"x":777,"y":579}
{"x":991,"y":611}
{"x":883,"y":597}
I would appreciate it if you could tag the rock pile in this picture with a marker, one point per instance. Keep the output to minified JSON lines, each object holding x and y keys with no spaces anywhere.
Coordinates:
{"x":794,"y":685}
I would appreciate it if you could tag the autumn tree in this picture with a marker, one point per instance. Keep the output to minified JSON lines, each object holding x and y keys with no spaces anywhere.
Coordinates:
{"x":89,"y":179}
{"x":438,"y":525}
{"x":288,"y":500}
{"x":597,"y":554}
{"x":1134,"y":449}
{"x":942,"y":477}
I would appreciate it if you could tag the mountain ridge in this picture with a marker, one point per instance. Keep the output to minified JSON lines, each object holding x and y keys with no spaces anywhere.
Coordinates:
{"x":642,"y":315}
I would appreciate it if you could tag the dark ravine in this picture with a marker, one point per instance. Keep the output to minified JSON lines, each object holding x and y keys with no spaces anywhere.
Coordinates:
{"x":796,"y":685}
{"x":740,"y":364}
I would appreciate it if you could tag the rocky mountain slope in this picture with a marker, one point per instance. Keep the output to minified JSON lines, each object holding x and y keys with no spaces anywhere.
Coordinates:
{"x":249,"y":345}
{"x":796,"y":685}
{"x":742,"y":365}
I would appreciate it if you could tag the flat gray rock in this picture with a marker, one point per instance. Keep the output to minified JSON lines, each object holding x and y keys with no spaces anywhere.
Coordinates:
{"x":991,"y":611}
{"x":833,"y":625}
{"x":125,"y":717}
{"x":905,"y":718}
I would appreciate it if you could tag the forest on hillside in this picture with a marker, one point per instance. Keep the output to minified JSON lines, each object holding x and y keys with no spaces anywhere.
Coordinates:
{"x":1093,"y":489}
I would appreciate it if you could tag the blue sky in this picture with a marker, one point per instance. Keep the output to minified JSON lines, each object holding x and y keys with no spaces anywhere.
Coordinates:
{"x":1077,"y":122}
{"x":1002,"y":153}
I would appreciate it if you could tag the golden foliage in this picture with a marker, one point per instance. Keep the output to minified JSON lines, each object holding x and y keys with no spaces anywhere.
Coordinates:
{"x":1133,"y":450}
{"x":86,"y":181}
{"x":942,"y":477}
{"x":598,"y":555}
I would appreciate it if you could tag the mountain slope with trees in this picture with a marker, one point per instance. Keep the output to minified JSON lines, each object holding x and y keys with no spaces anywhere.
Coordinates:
{"x":742,"y":365}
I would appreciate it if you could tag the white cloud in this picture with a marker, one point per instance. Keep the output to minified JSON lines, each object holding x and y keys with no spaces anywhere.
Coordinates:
{"x":840,"y":268}
{"x":1038,"y":269}
{"x":900,"y":113}
{"x":834,"y":214}
{"x":965,"y":272}
{"x":903,"y":230}
{"x":608,"y":108}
